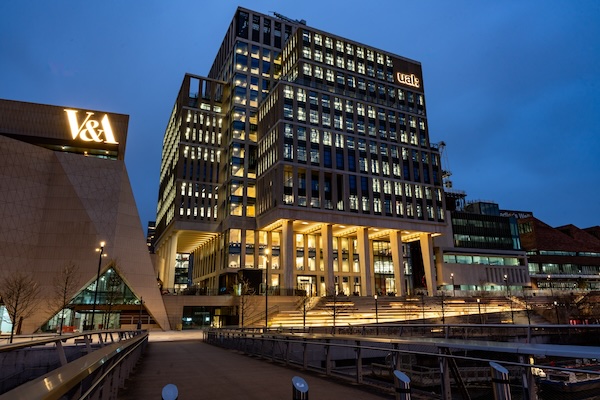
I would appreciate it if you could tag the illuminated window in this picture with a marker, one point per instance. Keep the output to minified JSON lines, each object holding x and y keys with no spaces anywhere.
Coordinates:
{"x":307,"y":69}
{"x":366,"y":207}
{"x":329,"y":75}
{"x":319,"y":72}
{"x":301,"y":95}
{"x":314,"y":117}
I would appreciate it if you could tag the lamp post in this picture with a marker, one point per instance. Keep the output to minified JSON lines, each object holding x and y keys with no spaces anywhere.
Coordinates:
{"x":453,"y":287}
{"x":139,"y":324}
{"x":556,"y":309}
{"x":376,"y":316}
{"x":443,"y":311}
{"x":479,"y":310}
{"x":512,"y":315}
{"x":266,"y":289}
{"x":550,"y":285}
{"x":101,"y":250}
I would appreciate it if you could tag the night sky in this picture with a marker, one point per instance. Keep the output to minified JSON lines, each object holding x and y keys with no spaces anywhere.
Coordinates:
{"x":511,"y":87}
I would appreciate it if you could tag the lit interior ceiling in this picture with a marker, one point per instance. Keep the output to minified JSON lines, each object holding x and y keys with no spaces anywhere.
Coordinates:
{"x":188,"y":241}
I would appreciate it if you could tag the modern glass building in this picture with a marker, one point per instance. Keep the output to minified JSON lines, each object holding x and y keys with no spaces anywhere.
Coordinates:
{"x":484,"y":252}
{"x":305,"y":155}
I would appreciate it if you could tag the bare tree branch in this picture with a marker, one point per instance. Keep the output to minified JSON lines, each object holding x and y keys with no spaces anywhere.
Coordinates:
{"x":65,"y":287}
{"x":20,"y":294}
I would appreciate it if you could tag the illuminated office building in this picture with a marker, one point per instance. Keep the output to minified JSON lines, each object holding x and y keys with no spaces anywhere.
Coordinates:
{"x":483,"y":254}
{"x":303,"y":154}
{"x":64,"y":189}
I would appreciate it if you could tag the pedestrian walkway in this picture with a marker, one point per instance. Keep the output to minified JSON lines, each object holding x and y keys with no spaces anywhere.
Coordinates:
{"x":201,"y":371}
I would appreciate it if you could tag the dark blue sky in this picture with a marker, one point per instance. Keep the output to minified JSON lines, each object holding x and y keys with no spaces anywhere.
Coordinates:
{"x":512,"y":87}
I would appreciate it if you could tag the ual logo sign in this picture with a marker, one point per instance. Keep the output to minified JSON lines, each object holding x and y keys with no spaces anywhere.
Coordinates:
{"x":91,"y":130}
{"x":410,"y":80}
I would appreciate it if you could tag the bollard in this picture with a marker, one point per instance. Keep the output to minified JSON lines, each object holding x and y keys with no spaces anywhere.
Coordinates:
{"x":170,"y":392}
{"x":402,"y":383}
{"x":500,"y":382}
{"x":299,"y":389}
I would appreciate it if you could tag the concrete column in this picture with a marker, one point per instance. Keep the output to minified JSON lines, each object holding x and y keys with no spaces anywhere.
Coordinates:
{"x":398,"y":261}
{"x":366,"y":267}
{"x":287,"y":256}
{"x":168,"y":255}
{"x":327,"y":242}
{"x":269,"y":257}
{"x":426,"y":242}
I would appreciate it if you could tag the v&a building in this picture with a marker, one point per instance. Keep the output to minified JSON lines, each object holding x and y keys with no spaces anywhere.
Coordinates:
{"x":65,"y":193}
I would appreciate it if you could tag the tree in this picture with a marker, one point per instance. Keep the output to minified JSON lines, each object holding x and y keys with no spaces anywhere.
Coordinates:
{"x":20,"y":294}
{"x":65,"y":287}
{"x":302,"y":304}
{"x":114,"y":295}
{"x":332,"y":306}
{"x":248,"y":302}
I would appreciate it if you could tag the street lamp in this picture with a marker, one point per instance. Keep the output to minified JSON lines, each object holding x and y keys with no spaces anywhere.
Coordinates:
{"x":376,"y":316}
{"x":266,"y":289}
{"x":512,"y":315}
{"x":453,"y":288}
{"x":443,"y":312}
{"x":556,"y":309}
{"x":101,"y":250}
{"x":479,"y":309}
{"x":550,"y":285}
{"x":139,"y":324}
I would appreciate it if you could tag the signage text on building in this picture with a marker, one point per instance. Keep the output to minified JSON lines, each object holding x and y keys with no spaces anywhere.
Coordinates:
{"x":91,"y":130}
{"x":410,"y":80}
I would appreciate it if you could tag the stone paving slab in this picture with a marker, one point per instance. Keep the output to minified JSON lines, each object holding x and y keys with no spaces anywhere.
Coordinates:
{"x":201,"y":371}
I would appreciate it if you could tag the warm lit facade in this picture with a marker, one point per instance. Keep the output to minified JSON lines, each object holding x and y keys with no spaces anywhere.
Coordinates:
{"x":64,"y":189}
{"x":561,"y":259}
{"x":303,"y":154}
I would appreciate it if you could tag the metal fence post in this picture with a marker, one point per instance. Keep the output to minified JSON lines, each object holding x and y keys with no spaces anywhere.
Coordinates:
{"x":359,"y":363}
{"x":402,"y":383}
{"x":299,"y":389}
{"x":500,"y":382}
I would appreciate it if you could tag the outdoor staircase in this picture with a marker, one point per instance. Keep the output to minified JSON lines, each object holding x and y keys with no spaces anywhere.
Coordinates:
{"x":359,"y":310}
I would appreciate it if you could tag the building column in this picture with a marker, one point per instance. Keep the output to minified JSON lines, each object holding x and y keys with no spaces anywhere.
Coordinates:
{"x":268,"y":258}
{"x":426,"y":242}
{"x":287,"y":254}
{"x":366,"y":268}
{"x":168,"y":255}
{"x":327,"y":241}
{"x":398,"y":261}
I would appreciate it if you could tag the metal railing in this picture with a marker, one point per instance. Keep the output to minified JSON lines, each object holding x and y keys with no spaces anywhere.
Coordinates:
{"x":90,"y":365}
{"x":437,"y":368}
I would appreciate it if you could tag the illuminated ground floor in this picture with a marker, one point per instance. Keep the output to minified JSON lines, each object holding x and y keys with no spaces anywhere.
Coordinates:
{"x":289,"y":255}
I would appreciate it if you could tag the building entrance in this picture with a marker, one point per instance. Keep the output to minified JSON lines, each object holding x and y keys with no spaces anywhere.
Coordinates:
{"x":385,"y":284}
{"x":307,"y":283}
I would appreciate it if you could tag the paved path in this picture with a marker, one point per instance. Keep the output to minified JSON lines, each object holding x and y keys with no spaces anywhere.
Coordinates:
{"x":204,"y":372}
